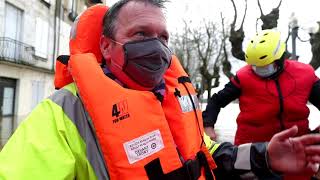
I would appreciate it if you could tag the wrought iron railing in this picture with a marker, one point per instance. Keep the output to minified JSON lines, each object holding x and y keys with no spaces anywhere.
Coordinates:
{"x":15,"y":51}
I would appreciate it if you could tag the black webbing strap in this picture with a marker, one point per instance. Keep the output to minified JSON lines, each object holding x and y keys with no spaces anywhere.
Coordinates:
{"x":63,"y":59}
{"x":204,"y":163}
{"x":158,"y":95}
{"x":191,"y":170}
{"x":184,"y":79}
{"x":177,"y":92}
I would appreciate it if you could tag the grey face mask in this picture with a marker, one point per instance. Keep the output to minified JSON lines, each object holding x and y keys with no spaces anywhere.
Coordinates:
{"x":265,"y":71}
{"x":146,"y":61}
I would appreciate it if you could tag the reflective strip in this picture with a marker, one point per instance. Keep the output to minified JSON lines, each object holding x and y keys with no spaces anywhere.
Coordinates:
{"x":211,"y":145}
{"x":213,"y":148}
{"x":73,"y":108}
{"x":186,"y":103}
{"x":243,"y":157}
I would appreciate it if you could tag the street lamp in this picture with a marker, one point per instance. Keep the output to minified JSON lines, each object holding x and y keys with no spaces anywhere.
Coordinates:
{"x":293,"y":24}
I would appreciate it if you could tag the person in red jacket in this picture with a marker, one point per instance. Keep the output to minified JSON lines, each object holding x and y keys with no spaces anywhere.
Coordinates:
{"x":273,"y":92}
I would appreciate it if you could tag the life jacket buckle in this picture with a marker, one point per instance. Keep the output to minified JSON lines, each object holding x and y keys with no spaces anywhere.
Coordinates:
{"x":193,"y":169}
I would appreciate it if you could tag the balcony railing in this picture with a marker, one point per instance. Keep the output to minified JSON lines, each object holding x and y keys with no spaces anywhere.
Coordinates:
{"x":17,"y":52}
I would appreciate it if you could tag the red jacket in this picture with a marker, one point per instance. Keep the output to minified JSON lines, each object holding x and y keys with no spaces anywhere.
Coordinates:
{"x":268,"y":106}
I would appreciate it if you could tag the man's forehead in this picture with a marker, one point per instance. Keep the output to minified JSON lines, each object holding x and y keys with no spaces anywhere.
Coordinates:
{"x":138,"y":8}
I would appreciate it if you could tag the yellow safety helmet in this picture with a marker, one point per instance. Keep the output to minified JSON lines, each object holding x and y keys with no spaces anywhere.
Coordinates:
{"x":265,"y":48}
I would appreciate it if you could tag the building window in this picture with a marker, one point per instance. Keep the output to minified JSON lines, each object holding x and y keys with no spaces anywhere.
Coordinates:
{"x":37,"y":93}
{"x":8,"y":97}
{"x":42,"y":34}
{"x":13,"y":22}
{"x":7,"y":100}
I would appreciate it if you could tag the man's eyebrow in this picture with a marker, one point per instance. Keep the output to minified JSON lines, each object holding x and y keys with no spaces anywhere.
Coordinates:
{"x":141,"y":26}
{"x":144,"y":26}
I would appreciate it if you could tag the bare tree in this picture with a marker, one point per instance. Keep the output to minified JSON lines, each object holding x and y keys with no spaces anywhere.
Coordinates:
{"x":226,"y":65}
{"x":203,"y":49}
{"x":182,"y":46}
{"x":270,"y":20}
{"x":237,"y":36}
{"x":209,"y":47}
{"x":315,"y":48}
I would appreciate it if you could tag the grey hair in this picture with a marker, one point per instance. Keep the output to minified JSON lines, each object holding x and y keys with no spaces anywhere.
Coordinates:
{"x":111,"y":17}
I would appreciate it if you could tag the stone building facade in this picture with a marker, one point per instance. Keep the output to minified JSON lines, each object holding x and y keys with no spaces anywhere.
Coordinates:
{"x":32,"y":34}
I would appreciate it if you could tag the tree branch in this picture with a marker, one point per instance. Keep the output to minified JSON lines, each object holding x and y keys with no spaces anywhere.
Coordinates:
{"x":260,"y":8}
{"x":244,"y":16}
{"x":233,"y":25}
{"x":279,"y":4}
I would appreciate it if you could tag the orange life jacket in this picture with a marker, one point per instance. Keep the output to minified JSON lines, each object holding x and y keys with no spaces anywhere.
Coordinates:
{"x":139,"y":137}
{"x":84,"y":38}
{"x":62,"y":75}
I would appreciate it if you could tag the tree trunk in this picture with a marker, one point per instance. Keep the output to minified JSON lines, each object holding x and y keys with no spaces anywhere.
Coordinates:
{"x":315,"y":49}
{"x":270,"y":20}
{"x":236,"y":39}
{"x":209,"y":85}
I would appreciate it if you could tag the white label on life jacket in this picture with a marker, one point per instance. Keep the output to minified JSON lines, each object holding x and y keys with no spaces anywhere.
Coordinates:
{"x":143,"y":146}
{"x":186,"y":104}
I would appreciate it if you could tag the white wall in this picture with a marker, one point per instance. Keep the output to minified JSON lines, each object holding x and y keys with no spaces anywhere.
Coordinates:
{"x":24,"y":77}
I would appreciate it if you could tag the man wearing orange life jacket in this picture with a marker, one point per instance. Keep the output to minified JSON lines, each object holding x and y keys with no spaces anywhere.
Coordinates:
{"x":128,"y":118}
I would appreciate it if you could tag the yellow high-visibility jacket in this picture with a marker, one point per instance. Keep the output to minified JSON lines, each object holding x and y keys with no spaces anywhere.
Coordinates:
{"x":57,"y":141}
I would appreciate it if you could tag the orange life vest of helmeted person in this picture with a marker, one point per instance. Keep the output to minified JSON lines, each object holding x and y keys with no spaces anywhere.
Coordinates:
{"x":141,"y":135}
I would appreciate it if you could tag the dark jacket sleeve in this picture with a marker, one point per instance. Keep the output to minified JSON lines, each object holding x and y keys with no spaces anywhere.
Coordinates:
{"x":244,"y":161}
{"x":314,"y":97}
{"x":218,"y":101}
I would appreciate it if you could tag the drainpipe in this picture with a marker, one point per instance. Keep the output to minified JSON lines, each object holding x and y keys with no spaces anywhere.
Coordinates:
{"x":56,"y":29}
{"x":73,"y":14}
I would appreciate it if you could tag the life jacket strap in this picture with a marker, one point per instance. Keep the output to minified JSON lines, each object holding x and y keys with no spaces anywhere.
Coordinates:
{"x":63,"y":59}
{"x":158,"y":95}
{"x":191,"y":169}
{"x":184,"y":79}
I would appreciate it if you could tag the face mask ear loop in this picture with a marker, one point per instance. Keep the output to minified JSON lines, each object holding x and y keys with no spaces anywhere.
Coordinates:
{"x":119,"y":43}
{"x":113,"y":62}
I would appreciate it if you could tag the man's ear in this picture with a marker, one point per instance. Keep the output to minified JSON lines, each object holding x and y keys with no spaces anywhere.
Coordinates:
{"x":105,"y":45}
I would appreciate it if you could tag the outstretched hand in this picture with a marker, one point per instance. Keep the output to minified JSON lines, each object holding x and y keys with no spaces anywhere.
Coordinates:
{"x":294,"y":155}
